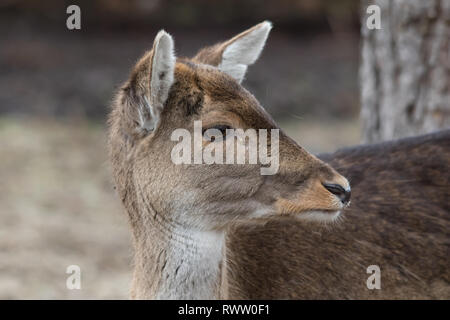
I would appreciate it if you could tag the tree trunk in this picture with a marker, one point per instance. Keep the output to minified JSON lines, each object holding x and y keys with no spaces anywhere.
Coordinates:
{"x":405,"y":69}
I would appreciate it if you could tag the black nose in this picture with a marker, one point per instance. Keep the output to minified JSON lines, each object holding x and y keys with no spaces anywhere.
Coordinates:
{"x":339,"y":191}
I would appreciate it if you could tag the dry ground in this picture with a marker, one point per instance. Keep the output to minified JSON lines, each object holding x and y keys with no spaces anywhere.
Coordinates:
{"x":58,"y":207}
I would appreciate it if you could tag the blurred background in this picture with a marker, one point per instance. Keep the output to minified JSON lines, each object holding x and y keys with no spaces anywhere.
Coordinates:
{"x":57,"y":204}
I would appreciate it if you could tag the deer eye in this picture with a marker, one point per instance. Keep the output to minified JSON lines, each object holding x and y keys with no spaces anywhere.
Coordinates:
{"x":212,"y":133}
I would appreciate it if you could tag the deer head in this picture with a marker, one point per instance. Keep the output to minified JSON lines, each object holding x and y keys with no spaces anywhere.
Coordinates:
{"x":164,"y":94}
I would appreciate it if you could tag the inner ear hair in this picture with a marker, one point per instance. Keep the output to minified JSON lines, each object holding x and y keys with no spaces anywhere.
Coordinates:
{"x":151,"y":81}
{"x":233,"y":56}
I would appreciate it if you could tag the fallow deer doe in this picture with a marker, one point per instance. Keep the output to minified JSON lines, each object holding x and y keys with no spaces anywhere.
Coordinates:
{"x":182,"y":214}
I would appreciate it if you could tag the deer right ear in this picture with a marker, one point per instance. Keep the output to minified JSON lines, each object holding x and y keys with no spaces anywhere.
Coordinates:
{"x":151,"y":81}
{"x":233,"y":56}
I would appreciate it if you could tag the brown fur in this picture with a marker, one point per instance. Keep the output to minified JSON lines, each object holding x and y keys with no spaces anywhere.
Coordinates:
{"x":399,"y":219}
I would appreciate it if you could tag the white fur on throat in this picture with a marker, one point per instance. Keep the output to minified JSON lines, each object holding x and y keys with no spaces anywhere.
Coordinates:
{"x":193,"y":265}
{"x":244,"y":51}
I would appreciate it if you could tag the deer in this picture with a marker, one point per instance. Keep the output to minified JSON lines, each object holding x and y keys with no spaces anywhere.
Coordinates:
{"x":189,"y":221}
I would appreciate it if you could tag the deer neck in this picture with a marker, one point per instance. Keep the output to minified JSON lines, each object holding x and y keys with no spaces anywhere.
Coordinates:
{"x":176,"y":262}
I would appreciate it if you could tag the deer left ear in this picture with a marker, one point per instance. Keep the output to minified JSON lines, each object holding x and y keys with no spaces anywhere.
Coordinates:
{"x":150,"y":82}
{"x":235,"y":55}
{"x":161,"y":73}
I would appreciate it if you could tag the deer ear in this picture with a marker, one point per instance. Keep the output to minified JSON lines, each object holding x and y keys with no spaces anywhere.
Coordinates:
{"x":151,"y":81}
{"x":233,"y":56}
{"x":162,"y":68}
{"x":161,"y":77}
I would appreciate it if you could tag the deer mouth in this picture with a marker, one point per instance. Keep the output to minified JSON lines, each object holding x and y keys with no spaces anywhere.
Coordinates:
{"x":327,"y":212}
{"x":331,"y":205}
